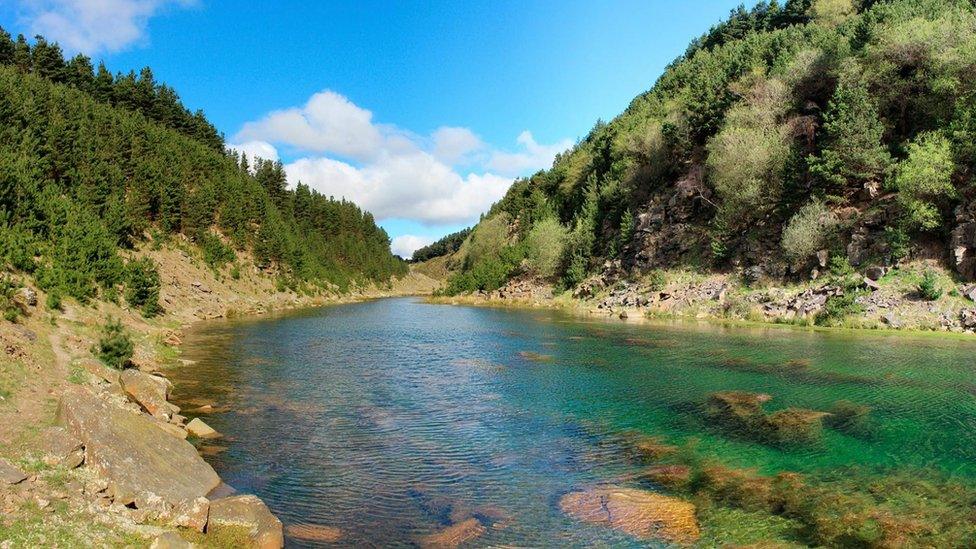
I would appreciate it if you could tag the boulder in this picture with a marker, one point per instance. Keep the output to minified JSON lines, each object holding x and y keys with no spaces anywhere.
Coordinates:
{"x":454,"y":535}
{"x":132,"y":452}
{"x":150,"y":392}
{"x":101,"y":371}
{"x":192,"y":514}
{"x":640,"y":513}
{"x":249,"y":512}
{"x":170,"y":540}
{"x":59,"y":447}
{"x":10,"y":474}
{"x":200,"y":429}
{"x":27,"y":297}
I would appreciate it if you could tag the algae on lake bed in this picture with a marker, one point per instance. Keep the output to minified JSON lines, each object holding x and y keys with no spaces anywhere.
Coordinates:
{"x":337,"y":414}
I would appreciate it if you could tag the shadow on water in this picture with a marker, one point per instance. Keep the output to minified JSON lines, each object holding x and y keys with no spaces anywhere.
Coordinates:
{"x":394,"y":419}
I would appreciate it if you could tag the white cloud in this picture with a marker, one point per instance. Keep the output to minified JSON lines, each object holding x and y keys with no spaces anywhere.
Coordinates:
{"x":410,"y":186}
{"x":328,"y":123}
{"x":405,"y":245}
{"x":451,"y":145}
{"x":389,"y":171}
{"x":254,"y":150}
{"x":535,"y":157}
{"x":92,"y":26}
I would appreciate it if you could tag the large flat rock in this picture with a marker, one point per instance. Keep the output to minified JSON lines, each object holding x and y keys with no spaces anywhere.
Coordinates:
{"x":640,"y":513}
{"x":133,"y":452}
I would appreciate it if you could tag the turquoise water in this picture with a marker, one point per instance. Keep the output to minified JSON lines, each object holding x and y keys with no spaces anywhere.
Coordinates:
{"x":378,"y":417}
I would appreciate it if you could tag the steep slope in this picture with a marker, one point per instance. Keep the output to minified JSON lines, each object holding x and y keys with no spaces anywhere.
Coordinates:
{"x":789,"y":141}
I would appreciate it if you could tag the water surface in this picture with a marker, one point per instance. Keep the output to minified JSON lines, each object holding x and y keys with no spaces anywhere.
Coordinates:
{"x":370,"y":416}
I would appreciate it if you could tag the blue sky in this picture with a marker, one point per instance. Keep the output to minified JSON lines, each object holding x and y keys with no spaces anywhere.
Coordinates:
{"x":422,"y":112}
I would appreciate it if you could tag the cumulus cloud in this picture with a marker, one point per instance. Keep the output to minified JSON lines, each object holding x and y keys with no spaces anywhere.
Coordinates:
{"x":92,"y":26}
{"x":395,"y":174}
{"x":533,"y":158}
{"x":327,"y":123}
{"x":254,"y":150}
{"x":405,"y":245}
{"x":451,"y":145}
{"x":409,"y":186}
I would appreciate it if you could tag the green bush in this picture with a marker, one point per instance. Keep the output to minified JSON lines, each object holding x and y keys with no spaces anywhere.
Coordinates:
{"x":924,"y":180}
{"x":545,"y":244}
{"x":114,"y":347}
{"x":929,"y":287}
{"x":142,"y":286}
{"x":8,"y":289}
{"x":808,"y":231}
{"x":53,"y":300}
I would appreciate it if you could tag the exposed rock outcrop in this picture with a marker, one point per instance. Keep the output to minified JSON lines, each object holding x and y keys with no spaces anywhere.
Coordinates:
{"x":131,"y":451}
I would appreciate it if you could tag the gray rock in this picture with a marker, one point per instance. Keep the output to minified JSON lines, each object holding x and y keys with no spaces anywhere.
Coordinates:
{"x":10,"y":474}
{"x":875,"y":272}
{"x":250,"y":512}
{"x":27,"y":296}
{"x":132,"y":452}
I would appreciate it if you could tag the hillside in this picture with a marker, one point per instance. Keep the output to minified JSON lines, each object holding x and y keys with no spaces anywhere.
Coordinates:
{"x":94,"y":164}
{"x":803,"y":145}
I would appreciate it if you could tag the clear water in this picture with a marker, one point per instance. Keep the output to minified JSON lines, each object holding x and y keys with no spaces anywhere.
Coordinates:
{"x":360,"y":416}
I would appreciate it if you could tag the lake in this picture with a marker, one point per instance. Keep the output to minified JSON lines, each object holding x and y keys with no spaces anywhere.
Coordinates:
{"x":387,"y":417}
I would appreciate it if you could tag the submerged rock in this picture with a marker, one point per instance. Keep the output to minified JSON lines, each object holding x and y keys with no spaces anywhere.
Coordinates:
{"x":314,"y":532}
{"x":640,"y":513}
{"x":795,"y":426}
{"x":250,"y":512}
{"x":132,"y":452}
{"x":454,"y":535}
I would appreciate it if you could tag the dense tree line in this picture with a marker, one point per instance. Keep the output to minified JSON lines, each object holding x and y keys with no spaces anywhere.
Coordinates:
{"x":137,"y":92}
{"x":778,"y":120}
{"x":82,"y":178}
{"x":445,"y":246}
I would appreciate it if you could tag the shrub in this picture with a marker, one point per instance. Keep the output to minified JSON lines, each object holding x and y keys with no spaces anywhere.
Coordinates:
{"x":924,"y":180}
{"x":839,"y":307}
{"x":545,"y":244}
{"x":142,"y":286}
{"x":809,"y":230}
{"x":53,"y":300}
{"x":8,"y":288}
{"x":929,"y":287}
{"x":114,"y":347}
{"x":215,"y":253}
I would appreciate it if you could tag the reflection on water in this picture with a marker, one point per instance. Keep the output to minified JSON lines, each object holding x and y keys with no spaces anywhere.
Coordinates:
{"x":392,"y":419}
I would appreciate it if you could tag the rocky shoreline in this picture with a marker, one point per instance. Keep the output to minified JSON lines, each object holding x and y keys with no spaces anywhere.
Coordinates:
{"x":882,"y":302}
